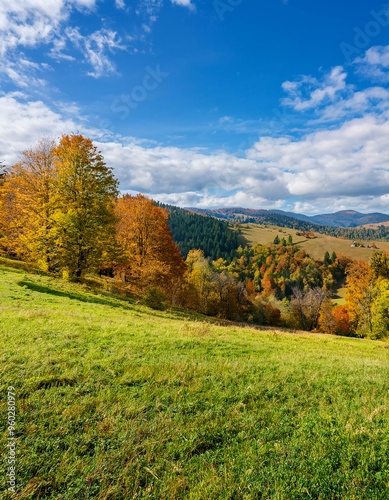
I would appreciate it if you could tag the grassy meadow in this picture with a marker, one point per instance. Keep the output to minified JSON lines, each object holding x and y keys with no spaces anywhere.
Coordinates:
{"x":265,"y":234}
{"x":117,"y":401}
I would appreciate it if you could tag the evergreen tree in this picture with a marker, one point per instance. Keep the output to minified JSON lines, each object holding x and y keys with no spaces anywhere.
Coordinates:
{"x":327,"y":259}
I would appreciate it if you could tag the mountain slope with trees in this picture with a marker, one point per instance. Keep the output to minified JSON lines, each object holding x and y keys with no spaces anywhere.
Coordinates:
{"x":190,"y":230}
{"x":301,"y":223}
{"x":343,"y":218}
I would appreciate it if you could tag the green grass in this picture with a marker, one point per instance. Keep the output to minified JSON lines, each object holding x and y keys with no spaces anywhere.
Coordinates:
{"x":340,"y":297}
{"x":115,"y":401}
{"x":264,"y":235}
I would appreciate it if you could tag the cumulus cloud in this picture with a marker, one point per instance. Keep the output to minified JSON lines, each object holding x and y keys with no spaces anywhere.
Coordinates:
{"x":24,"y":122}
{"x":357,"y":103}
{"x":344,"y":166}
{"x":347,"y":161}
{"x":332,"y":99}
{"x":327,"y":169}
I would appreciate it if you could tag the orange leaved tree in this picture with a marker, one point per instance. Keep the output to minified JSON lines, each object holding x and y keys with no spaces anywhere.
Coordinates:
{"x":149,"y":255}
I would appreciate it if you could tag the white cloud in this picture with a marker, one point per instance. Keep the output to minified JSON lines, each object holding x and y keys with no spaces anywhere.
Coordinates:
{"x":38,"y":23}
{"x":332,"y":99}
{"x":310,"y":93}
{"x":375,"y":63}
{"x":345,"y":167}
{"x":347,"y":161}
{"x":27,"y":23}
{"x":357,"y":103}
{"x":95,"y":48}
{"x":183,"y":3}
{"x":25,"y":122}
{"x":34,"y":24}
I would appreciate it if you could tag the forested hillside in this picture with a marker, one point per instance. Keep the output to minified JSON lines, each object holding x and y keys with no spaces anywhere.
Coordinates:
{"x":380,"y":233}
{"x":189,"y":230}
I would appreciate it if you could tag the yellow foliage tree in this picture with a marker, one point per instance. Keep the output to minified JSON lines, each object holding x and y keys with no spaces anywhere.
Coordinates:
{"x":28,"y":206}
{"x":360,"y":296}
{"x":57,"y":206}
{"x":85,"y":195}
{"x":380,"y":309}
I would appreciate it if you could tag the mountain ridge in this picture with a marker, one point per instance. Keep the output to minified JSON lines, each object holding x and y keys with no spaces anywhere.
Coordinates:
{"x":341,"y":218}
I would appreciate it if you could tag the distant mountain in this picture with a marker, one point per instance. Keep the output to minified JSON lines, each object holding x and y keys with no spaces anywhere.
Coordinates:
{"x":349,"y":218}
{"x":344,"y":218}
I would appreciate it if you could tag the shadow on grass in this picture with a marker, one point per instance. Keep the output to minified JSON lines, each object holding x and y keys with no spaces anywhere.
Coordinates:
{"x":74,"y":296}
{"x":243,"y":241}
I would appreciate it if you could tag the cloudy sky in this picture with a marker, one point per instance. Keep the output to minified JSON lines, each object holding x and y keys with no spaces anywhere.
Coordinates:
{"x":253,"y":103}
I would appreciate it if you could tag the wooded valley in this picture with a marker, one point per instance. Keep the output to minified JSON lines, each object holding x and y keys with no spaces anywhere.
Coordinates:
{"x":61,"y":211}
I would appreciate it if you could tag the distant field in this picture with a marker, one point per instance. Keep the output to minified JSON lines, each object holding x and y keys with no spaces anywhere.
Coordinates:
{"x":375,"y":226}
{"x":116,"y":401}
{"x":263,"y":234}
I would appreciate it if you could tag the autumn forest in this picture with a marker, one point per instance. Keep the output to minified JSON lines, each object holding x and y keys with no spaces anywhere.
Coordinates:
{"x":61,"y":211}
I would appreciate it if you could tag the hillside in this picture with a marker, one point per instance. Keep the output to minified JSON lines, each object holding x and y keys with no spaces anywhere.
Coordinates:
{"x":116,"y":401}
{"x":349,"y":218}
{"x":190,"y":230}
{"x":376,"y":226}
{"x":265,"y":234}
{"x":343,"y":218}
{"x":379,"y":232}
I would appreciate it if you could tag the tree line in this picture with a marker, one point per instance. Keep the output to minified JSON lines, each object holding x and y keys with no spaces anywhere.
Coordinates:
{"x":61,"y":210}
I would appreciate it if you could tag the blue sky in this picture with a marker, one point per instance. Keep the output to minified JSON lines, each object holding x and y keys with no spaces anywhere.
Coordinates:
{"x":254,"y":103}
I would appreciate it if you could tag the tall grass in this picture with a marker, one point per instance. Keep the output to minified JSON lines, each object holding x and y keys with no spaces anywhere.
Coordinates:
{"x":116,"y":401}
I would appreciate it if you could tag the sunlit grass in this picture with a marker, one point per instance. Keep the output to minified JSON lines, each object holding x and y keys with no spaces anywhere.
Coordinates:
{"x":116,"y":401}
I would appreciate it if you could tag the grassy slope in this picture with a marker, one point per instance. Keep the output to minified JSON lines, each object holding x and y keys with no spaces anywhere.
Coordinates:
{"x":118,"y":402}
{"x":316,"y":247}
{"x":375,"y":226}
